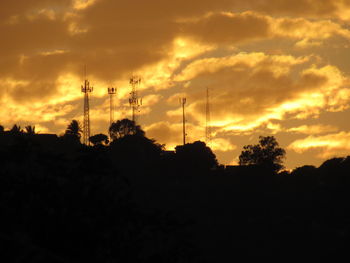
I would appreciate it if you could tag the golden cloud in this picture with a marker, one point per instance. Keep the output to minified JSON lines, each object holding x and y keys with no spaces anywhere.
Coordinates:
{"x":40,"y":48}
{"x":309,"y":8}
{"x":279,"y":65}
{"x":179,"y":49}
{"x":329,"y":145}
{"x":313,"y":129}
{"x":222,"y":145}
{"x":259,"y":87}
{"x":165,"y":132}
{"x":171,"y":135}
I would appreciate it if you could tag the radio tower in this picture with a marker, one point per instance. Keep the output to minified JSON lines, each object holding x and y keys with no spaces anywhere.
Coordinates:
{"x":207,"y":120}
{"x":183,"y":102}
{"x":86,"y":89}
{"x":134,"y":100}
{"x":111,"y":91}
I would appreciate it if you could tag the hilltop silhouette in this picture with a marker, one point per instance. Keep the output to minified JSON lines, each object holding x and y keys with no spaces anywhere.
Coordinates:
{"x":126,"y":199}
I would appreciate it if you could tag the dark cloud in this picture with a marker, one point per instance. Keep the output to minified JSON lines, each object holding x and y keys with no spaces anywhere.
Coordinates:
{"x":226,"y":28}
{"x":11,"y":8}
{"x":116,"y":38}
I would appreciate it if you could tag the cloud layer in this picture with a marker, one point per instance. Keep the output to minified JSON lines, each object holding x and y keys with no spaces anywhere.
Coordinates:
{"x":268,"y":64}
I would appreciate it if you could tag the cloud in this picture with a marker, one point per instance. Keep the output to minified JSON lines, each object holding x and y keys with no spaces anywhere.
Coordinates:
{"x":10,"y":8}
{"x":164,"y":132}
{"x":227,"y":28}
{"x":279,"y":65}
{"x":305,"y":29}
{"x":265,"y":61}
{"x":82,"y":4}
{"x":313,"y":129}
{"x":222,"y":145}
{"x":171,"y":135}
{"x":330,"y":145}
{"x":251,"y":89}
{"x":309,"y":8}
{"x":114,"y":39}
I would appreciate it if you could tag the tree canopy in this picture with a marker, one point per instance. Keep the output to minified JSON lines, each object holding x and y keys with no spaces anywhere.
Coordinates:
{"x":74,"y":128}
{"x":16,"y":129}
{"x":124,"y":127}
{"x":99,"y":139}
{"x":133,"y":201}
{"x":196,"y":155}
{"x":266,"y":153}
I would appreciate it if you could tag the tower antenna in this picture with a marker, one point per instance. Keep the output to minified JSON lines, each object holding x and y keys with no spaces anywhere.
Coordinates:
{"x":86,"y":89}
{"x":111,"y":92}
{"x":134,"y":101}
{"x":207,"y":120}
{"x":183,"y":102}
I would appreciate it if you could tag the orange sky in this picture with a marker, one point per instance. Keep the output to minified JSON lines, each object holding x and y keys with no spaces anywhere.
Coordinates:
{"x":274,"y":67}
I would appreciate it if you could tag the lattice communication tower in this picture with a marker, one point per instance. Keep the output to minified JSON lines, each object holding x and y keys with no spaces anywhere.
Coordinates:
{"x":207,"y":120}
{"x":183,"y":102}
{"x":134,"y":101}
{"x":86,"y":89}
{"x":111,"y":92}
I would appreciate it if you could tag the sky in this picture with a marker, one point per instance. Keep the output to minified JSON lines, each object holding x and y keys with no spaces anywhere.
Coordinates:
{"x":272,"y":67}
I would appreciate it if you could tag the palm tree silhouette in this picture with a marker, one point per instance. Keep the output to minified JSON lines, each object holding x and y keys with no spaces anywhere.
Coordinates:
{"x":74,"y":128}
{"x":16,"y":129}
{"x":30,"y":130}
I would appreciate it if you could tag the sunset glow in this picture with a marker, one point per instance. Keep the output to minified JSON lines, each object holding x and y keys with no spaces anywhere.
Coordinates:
{"x":271,"y":67}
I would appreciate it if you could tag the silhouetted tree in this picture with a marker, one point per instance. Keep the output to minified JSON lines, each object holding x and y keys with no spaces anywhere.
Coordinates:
{"x":1,"y":129}
{"x":196,"y":155}
{"x":134,"y":149}
{"x":124,"y":127}
{"x":74,"y":129}
{"x":332,"y":164}
{"x":99,"y":139}
{"x":30,"y":130}
{"x":122,"y":203}
{"x":16,"y":129}
{"x":306,"y":170}
{"x":335,"y":171}
{"x":266,"y":154}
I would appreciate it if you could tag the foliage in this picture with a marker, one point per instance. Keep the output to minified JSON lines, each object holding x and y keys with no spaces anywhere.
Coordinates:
{"x":196,"y":155}
{"x":78,"y":208}
{"x":74,"y":129}
{"x":124,"y":127}
{"x":134,"y":149}
{"x":120,"y":203}
{"x":266,"y":154}
{"x":30,"y":130}
{"x":16,"y":129}
{"x":99,"y":139}
{"x":304,"y":170}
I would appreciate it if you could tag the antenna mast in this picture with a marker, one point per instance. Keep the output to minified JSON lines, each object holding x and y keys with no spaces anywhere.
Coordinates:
{"x":86,"y":89}
{"x":207,"y":120}
{"x":111,"y":91}
{"x":183,"y":102}
{"x":134,"y":101}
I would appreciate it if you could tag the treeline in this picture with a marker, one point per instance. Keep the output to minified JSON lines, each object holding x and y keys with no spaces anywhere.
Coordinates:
{"x":129,"y":200}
